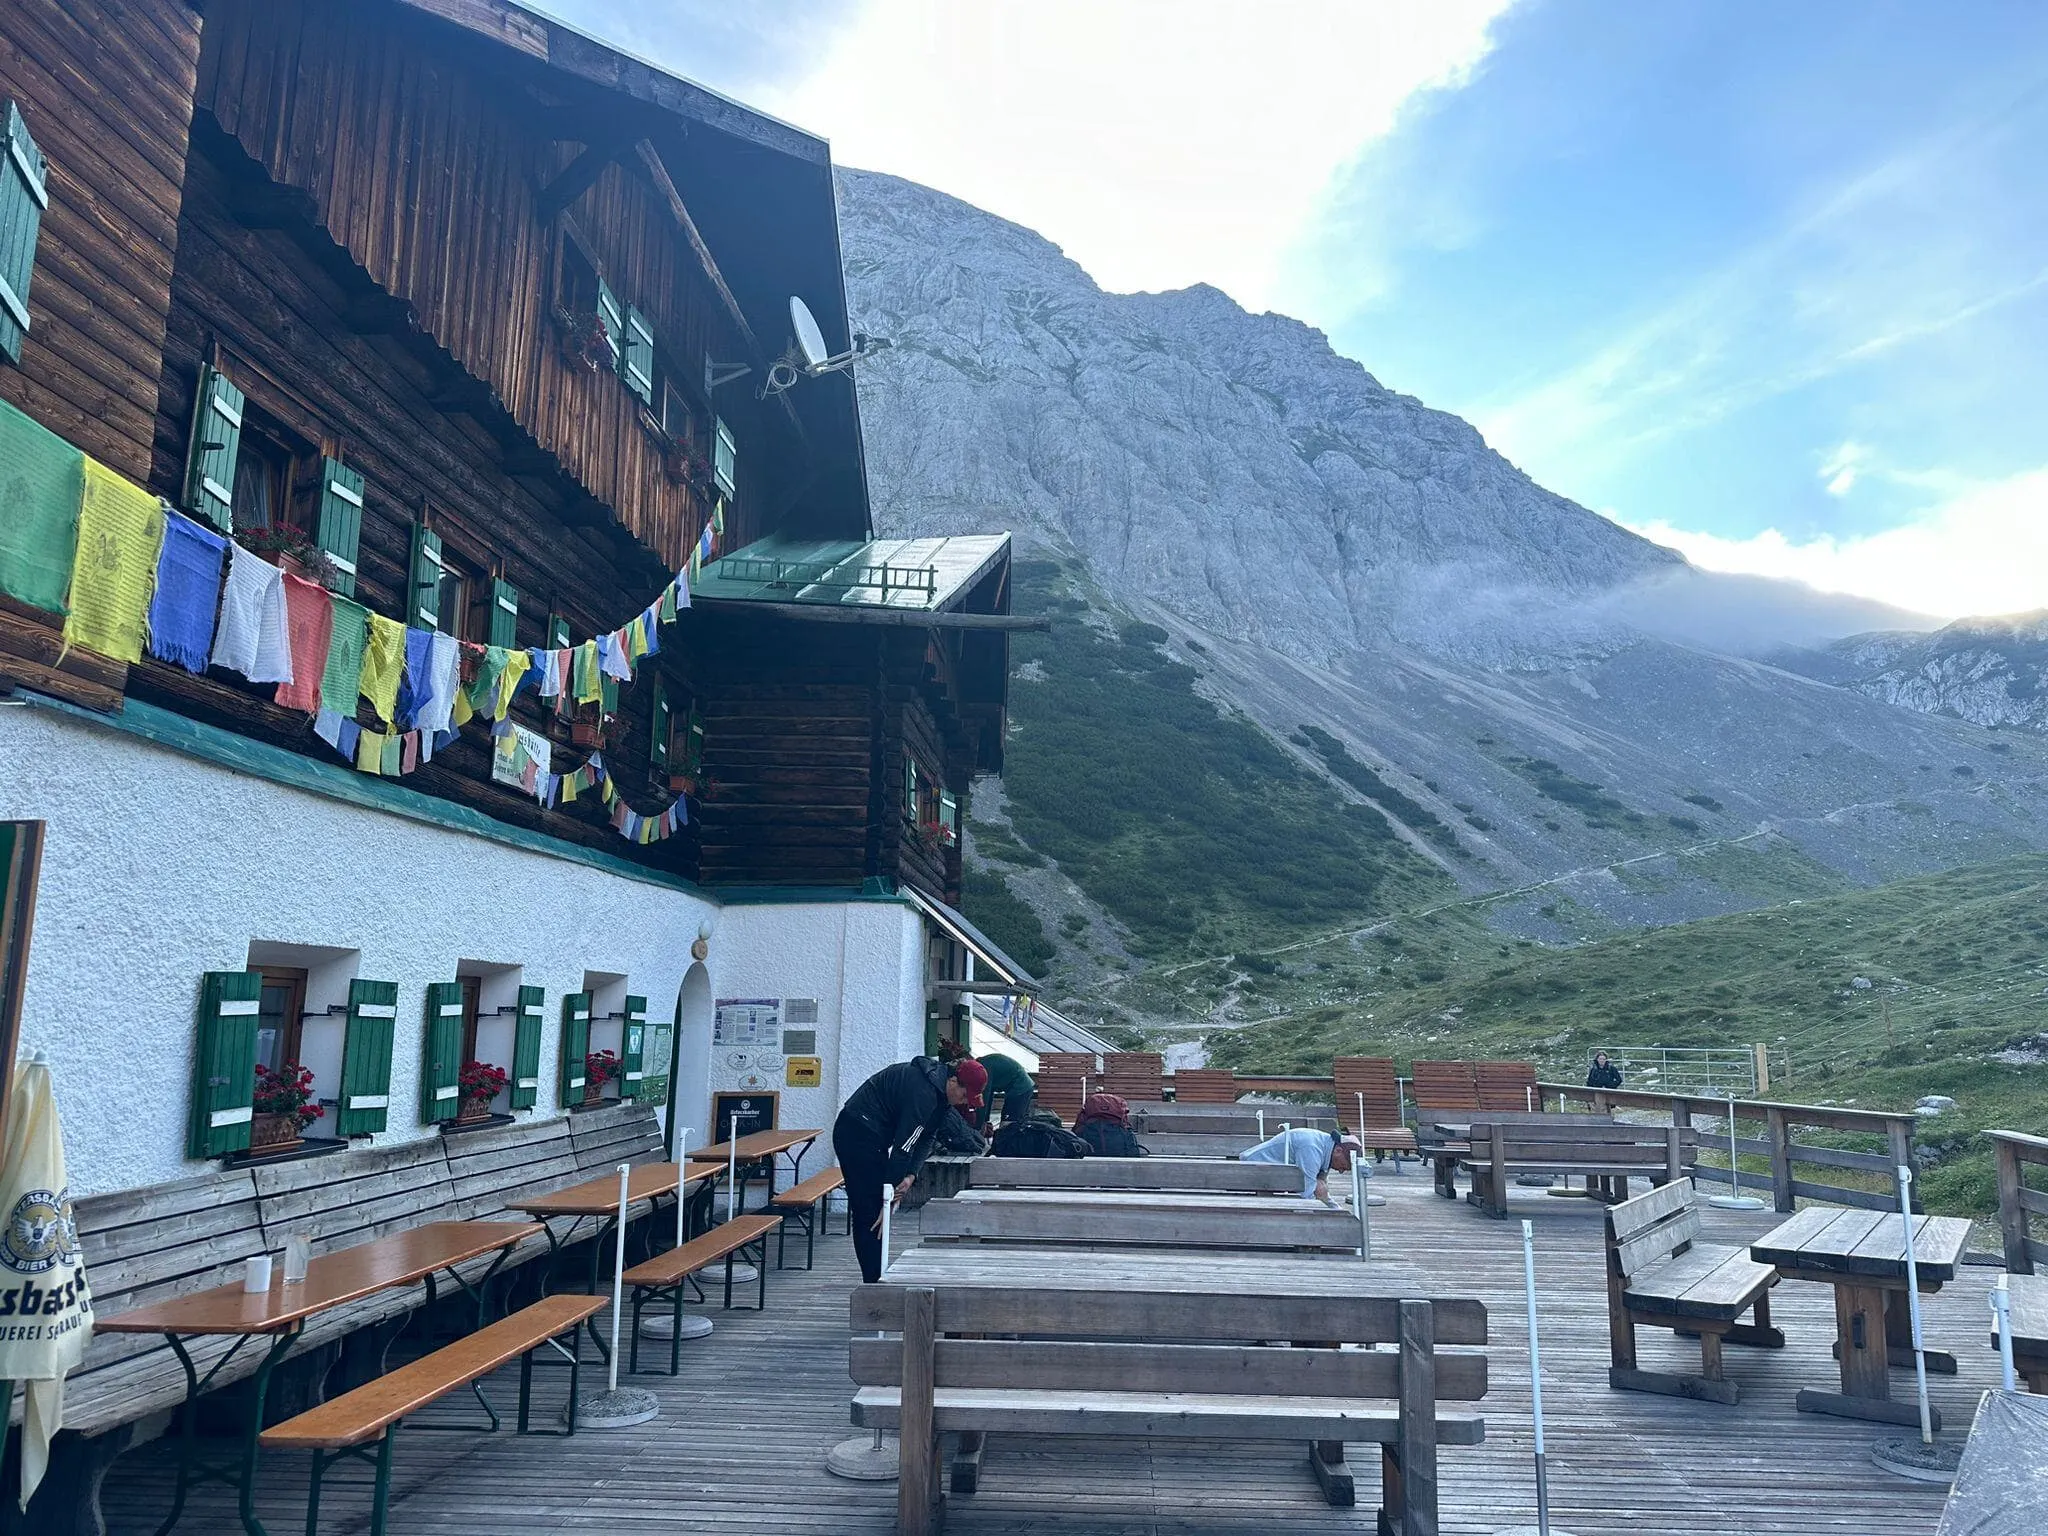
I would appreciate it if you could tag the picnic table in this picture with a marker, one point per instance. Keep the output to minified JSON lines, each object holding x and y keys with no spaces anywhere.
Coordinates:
{"x":1234,"y":1285}
{"x":280,"y":1314}
{"x":1190,"y":1174}
{"x":1127,"y":1218}
{"x":597,"y":1200}
{"x":1862,"y":1254}
{"x":759,"y":1146}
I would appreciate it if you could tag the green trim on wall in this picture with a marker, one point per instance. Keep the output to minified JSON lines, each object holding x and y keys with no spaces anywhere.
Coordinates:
{"x":802,"y":895}
{"x":333,"y":781}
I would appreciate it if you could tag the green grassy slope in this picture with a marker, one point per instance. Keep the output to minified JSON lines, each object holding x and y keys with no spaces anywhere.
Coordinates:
{"x":1192,"y":829}
{"x":1957,"y":966}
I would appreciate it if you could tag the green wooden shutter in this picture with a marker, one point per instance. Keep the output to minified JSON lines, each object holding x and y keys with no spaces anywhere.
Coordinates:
{"x":24,"y":194}
{"x":504,"y":613}
{"x":612,"y":316}
{"x":633,"y":1049}
{"x":724,"y":456}
{"x":424,"y":612}
{"x":526,"y":1049}
{"x":216,"y":443}
{"x":366,"y":1058}
{"x":637,"y":364}
{"x":340,"y":533}
{"x":656,"y":1056}
{"x":441,"y":1061}
{"x":693,"y":743}
{"x":224,"y":1064}
{"x":575,"y":1045}
{"x":949,"y":816}
{"x":661,"y":718}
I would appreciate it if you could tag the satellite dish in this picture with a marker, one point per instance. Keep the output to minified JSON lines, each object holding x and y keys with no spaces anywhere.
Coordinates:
{"x":817,"y":357}
{"x":809,"y":338}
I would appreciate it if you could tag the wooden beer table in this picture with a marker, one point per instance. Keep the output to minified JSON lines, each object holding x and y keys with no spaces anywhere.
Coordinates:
{"x":281,"y":1313}
{"x":1862,"y":1254}
{"x":597,"y":1201}
{"x":757,"y":1146}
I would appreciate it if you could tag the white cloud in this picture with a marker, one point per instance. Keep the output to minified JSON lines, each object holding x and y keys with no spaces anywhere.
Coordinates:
{"x":1838,"y":470}
{"x":1983,"y":552}
{"x":1160,"y":142}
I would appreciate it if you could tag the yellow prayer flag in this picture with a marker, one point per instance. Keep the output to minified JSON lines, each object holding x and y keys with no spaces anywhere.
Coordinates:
{"x":370,"y":751}
{"x":516,"y":665}
{"x":383,"y":661}
{"x":120,"y":536}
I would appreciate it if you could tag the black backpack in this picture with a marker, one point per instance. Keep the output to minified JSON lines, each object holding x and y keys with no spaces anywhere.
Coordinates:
{"x":1037,"y":1138}
{"x":1107,"y":1139}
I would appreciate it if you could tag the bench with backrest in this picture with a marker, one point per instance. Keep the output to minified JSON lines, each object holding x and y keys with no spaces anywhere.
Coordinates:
{"x":1607,"y":1152}
{"x":1445,"y":1151}
{"x":1138,"y":1076}
{"x":2019,"y":1203}
{"x":1443,"y":1085}
{"x":1661,"y":1275}
{"x":1203,"y":1085}
{"x":1060,"y":1080}
{"x":1369,"y":1098}
{"x":1141,"y":1219}
{"x":363,"y":1424}
{"x":1506,"y":1085}
{"x":801,"y":1204}
{"x":1167,"y":1366}
{"x":1202,"y":1175}
{"x":665,"y":1278}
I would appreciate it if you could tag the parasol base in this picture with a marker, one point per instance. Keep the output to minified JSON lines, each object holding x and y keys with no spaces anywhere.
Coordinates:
{"x":619,"y":1408}
{"x":865,"y":1459}
{"x":1923,"y":1463}
{"x":1530,"y":1530}
{"x":744,"y":1274}
{"x":663,"y":1326}
{"x":1735,"y":1202}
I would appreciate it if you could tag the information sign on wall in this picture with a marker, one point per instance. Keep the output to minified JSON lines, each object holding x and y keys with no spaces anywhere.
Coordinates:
{"x":805,"y":1072}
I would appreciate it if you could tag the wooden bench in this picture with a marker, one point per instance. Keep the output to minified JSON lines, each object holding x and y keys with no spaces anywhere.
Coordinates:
{"x":1506,"y":1085}
{"x":2028,"y":1298}
{"x":1369,"y":1097}
{"x":799,"y":1203}
{"x":1660,"y":1275}
{"x":665,"y":1277}
{"x":1202,"y":1175}
{"x":1141,"y":1219}
{"x":1443,"y":1085}
{"x":1169,"y":1366}
{"x":1445,"y":1151}
{"x":1611,"y":1152}
{"x":1203,"y":1085}
{"x":1137,"y":1076}
{"x":341,"y":1428}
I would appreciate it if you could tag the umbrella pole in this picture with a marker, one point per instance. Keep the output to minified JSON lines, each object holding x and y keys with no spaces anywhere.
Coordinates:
{"x":617,"y":1407}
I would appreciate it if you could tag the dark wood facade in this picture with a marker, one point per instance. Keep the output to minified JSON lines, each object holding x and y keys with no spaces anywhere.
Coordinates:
{"x":373,"y":216}
{"x":106,"y":88}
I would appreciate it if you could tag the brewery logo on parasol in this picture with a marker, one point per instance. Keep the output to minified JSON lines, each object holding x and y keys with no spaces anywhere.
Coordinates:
{"x":39,"y":1234}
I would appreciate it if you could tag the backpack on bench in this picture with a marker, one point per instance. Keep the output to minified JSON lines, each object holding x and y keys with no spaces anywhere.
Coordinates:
{"x":1040,"y":1136}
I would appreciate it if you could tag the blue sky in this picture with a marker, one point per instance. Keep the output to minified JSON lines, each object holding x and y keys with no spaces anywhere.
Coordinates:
{"x":1766,"y":280}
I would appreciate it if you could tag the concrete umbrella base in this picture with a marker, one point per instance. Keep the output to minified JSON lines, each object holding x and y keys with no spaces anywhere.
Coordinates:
{"x":616,"y":1409}
{"x":662,"y":1325}
{"x":871,"y":1458}
{"x":1908,"y":1456}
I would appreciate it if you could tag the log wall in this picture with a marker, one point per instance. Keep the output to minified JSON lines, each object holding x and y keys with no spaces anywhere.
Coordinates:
{"x":106,"y":90}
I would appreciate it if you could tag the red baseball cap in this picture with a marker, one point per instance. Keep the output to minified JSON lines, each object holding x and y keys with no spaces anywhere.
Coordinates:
{"x":973,"y":1077}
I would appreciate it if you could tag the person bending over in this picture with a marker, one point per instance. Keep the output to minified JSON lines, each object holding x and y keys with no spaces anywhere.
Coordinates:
{"x":888,"y":1127}
{"x":1006,"y":1076}
{"x":1315,"y":1153}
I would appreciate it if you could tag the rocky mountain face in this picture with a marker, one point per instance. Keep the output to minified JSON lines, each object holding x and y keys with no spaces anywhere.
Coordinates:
{"x":1580,"y":707}
{"x":1992,"y":672}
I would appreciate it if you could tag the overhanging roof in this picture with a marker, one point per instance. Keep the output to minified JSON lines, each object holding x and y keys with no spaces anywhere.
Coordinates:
{"x":905,"y":575}
{"x":965,"y":933}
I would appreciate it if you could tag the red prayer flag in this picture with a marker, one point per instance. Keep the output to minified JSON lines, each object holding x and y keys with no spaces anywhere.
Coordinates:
{"x":309,"y":618}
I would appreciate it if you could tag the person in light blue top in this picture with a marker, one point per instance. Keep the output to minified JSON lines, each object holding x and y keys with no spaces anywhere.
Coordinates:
{"x":1316,"y":1153}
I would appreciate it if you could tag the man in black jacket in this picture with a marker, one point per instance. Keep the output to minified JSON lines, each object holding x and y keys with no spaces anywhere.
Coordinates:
{"x":887,"y":1129}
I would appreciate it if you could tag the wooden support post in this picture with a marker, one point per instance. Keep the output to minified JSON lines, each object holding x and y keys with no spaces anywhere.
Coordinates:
{"x":1674,"y":1156}
{"x":1780,"y":1134}
{"x":1497,"y":1175}
{"x":2012,"y":1216}
{"x":1418,"y":1420}
{"x":1900,"y":1134}
{"x":918,"y":1497}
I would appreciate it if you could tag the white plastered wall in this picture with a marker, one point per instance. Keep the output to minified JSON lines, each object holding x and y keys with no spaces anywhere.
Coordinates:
{"x":159,"y":866}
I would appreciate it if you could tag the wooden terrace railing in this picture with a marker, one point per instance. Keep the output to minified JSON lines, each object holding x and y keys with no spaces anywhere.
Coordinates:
{"x":2016,"y":1152}
{"x":1780,"y":1121}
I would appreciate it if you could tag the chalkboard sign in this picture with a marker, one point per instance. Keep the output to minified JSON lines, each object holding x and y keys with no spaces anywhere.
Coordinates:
{"x":753,"y":1109}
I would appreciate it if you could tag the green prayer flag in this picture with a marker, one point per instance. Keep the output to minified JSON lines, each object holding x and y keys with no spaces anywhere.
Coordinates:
{"x":42,"y":479}
{"x":342,"y":680}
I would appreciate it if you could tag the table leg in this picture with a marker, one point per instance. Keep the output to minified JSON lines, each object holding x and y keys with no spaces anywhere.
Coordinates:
{"x":246,"y":1504}
{"x":1898,"y":1337}
{"x":1860,"y":1347}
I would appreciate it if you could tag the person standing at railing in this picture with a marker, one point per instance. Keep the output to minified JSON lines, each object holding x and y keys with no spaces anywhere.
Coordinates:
{"x":1603,"y":1073}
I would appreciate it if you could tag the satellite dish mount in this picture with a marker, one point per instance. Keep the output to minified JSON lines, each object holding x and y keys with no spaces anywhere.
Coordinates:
{"x":817,"y":358}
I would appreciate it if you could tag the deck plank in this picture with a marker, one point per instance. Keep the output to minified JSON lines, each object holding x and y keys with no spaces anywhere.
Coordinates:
{"x":739,"y":1449}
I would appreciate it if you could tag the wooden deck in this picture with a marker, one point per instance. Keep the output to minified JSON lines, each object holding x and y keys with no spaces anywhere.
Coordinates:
{"x":741,"y":1442}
